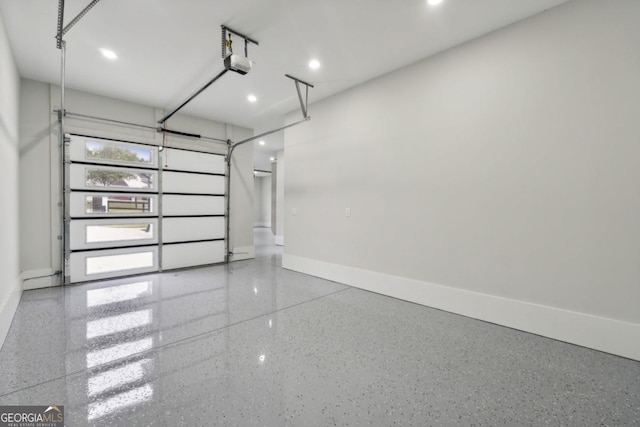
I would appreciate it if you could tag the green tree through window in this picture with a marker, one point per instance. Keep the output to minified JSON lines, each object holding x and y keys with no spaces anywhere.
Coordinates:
{"x":111,"y":152}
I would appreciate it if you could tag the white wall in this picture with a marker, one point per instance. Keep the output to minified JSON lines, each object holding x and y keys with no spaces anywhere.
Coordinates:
{"x":10,"y":289}
{"x":498,"y":179}
{"x":266,"y":205}
{"x":262,"y":201}
{"x":274,"y":199}
{"x":40,"y":166}
{"x":279,"y":194}
{"x":38,"y":201}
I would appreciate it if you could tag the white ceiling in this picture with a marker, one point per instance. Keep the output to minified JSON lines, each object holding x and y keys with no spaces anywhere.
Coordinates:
{"x":167,"y":49}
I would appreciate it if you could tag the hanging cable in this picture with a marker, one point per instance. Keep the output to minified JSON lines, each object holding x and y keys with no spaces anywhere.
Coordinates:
{"x":230,"y":45}
{"x":165,"y":154}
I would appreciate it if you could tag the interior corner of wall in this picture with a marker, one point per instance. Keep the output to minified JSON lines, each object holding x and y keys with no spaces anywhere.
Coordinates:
{"x":8,"y":307}
{"x":38,"y":279}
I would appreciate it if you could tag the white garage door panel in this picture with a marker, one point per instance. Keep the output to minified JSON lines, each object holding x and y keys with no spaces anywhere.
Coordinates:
{"x":181,"y":160}
{"x":173,"y":204}
{"x":112,"y":204}
{"x":192,"y":254}
{"x":178,"y":182}
{"x":106,"y":233}
{"x":94,"y":265}
{"x":112,"y":178}
{"x":188,"y":229}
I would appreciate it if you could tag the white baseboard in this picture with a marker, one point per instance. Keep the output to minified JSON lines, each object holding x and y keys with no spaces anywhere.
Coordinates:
{"x":8,"y":308}
{"x":262,"y":224}
{"x":280,"y":240}
{"x":599,"y":333}
{"x":243,"y":252}
{"x":37,"y":279}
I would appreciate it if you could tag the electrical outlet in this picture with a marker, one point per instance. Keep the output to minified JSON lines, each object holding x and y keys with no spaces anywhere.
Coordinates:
{"x":347,"y":212}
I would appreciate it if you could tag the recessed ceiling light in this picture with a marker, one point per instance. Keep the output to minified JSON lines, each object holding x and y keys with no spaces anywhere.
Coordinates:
{"x":252,"y":98}
{"x":261,"y":142}
{"x":273,"y":159}
{"x":435,"y":2}
{"x":109,"y":54}
{"x":314,"y":64}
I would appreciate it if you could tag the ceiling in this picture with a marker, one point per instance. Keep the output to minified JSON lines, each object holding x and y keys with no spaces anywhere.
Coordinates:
{"x":167,"y":49}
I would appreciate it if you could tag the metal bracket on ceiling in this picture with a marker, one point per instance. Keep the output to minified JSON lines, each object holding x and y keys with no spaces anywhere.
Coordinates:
{"x":226,"y":43}
{"x":62,"y":31}
{"x":60,"y":24}
{"x":303,"y":101}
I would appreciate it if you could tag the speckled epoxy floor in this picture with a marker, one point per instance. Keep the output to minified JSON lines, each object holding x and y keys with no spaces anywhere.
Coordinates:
{"x":252,"y":344}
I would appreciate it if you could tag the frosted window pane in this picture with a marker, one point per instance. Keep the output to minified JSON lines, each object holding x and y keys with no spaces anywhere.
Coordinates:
{"x":109,"y":263}
{"x":119,"y":232}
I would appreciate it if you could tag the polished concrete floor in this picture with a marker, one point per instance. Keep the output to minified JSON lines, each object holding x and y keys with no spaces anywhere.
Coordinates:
{"x":251,"y":344}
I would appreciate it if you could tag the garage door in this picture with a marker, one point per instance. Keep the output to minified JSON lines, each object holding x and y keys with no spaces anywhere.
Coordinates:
{"x":134,"y":208}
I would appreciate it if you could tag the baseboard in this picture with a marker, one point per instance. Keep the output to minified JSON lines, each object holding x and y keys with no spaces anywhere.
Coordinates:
{"x":280,"y":240}
{"x":37,"y":279}
{"x":262,"y":224}
{"x":243,"y":252}
{"x":599,"y":333}
{"x":8,"y":308}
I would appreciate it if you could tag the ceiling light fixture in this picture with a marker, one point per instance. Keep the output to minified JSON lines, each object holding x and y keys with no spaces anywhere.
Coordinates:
{"x":435,"y":2}
{"x":252,"y":98}
{"x":273,"y":159}
{"x":261,"y":142}
{"x":109,"y":54}
{"x":314,"y":64}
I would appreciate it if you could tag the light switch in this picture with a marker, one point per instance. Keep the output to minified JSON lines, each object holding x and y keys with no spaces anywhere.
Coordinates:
{"x":294,"y":211}
{"x":347,"y":212}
